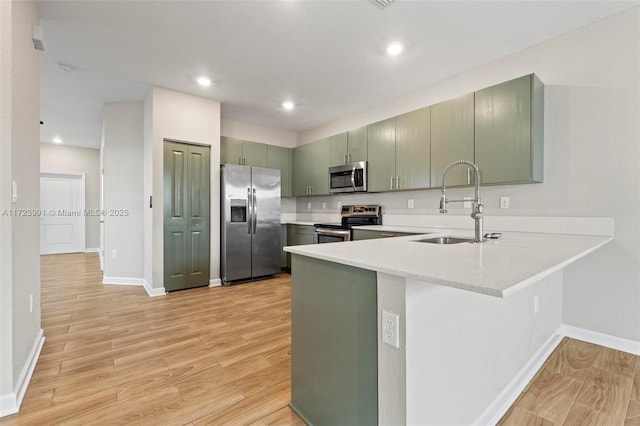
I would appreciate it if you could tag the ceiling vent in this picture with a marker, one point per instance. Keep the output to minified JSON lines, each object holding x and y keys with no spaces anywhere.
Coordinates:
{"x":382,"y":4}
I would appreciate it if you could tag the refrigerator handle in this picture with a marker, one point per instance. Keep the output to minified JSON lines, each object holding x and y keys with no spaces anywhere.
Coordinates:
{"x":255,"y":211}
{"x":250,"y":210}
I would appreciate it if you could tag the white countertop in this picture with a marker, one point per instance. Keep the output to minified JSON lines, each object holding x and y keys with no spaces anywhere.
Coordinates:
{"x":496,"y":267}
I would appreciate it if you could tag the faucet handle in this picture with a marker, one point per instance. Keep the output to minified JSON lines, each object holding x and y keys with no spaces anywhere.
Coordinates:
{"x":443,"y":203}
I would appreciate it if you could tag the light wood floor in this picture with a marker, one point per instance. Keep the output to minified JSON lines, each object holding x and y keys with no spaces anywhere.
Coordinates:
{"x":221,"y":355}
{"x":112,"y":355}
{"x":581,"y":384}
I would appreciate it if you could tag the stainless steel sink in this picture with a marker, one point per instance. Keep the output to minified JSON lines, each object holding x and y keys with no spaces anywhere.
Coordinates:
{"x":445,"y":240}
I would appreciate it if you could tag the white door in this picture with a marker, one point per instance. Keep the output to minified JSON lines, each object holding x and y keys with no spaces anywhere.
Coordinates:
{"x":62,"y":208}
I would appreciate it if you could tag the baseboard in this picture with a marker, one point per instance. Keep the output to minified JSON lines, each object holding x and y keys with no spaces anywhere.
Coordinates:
{"x":123,"y":281}
{"x":153,"y":292}
{"x":607,"y":340}
{"x":216,"y":282}
{"x":494,"y":412}
{"x":10,"y":404}
{"x":92,"y":250}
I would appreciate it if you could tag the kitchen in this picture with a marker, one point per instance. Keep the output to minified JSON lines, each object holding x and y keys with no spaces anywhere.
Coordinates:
{"x":578,"y":93}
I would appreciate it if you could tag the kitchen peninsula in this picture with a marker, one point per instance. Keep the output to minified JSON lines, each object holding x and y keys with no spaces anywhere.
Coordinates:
{"x":471,"y":316}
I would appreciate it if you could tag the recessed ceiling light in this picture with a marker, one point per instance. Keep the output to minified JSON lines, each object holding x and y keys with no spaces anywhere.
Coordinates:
{"x":57,"y":139}
{"x":203,"y":81}
{"x":63,"y":67}
{"x":394,"y":49}
{"x":288,"y":105}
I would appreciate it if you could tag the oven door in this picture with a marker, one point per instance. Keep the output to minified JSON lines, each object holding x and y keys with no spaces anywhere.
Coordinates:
{"x":327,"y":235}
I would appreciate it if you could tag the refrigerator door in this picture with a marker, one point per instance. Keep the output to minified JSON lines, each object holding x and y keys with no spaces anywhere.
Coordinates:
{"x":236,"y":196}
{"x":266,"y":208}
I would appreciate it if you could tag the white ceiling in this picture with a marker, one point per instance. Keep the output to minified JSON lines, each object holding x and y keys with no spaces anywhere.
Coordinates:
{"x":326,"y":56}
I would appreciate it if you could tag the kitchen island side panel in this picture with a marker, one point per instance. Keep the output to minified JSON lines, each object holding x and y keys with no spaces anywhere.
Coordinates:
{"x":333,"y":343}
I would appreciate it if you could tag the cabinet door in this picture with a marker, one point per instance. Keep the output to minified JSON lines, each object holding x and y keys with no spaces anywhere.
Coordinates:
{"x":413,"y":146}
{"x":452,"y":139}
{"x":280,"y":158}
{"x":254,"y":153}
{"x":358,"y":145}
{"x":381,"y":138}
{"x":320,"y":155}
{"x":302,"y":161}
{"x":230,"y":150}
{"x":339,"y":149}
{"x":508,"y":136}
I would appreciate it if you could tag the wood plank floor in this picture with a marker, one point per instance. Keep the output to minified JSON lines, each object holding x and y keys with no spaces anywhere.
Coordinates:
{"x":581,"y":384}
{"x":221,"y":356}
{"x":112,"y":355}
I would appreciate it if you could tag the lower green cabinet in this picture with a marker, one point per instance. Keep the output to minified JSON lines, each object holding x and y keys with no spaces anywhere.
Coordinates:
{"x":334,"y":355}
{"x":295,"y":235}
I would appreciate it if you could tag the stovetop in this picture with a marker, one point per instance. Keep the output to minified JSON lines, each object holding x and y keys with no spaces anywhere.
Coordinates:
{"x":357,"y":215}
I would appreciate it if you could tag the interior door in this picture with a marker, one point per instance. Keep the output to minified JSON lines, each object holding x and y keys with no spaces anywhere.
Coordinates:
{"x":186,"y":215}
{"x":62,"y":223}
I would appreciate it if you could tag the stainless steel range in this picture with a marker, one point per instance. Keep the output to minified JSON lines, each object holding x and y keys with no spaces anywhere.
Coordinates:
{"x":352,"y":216}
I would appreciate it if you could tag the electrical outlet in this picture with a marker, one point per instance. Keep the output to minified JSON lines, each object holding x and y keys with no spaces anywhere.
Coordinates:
{"x":504,"y":202}
{"x":324,"y":204}
{"x":309,"y":205}
{"x":114,"y":254}
{"x":410,"y":203}
{"x":31,"y":302}
{"x":536,"y":304}
{"x":339,"y":205}
{"x":391,"y":329}
{"x":467,"y":204}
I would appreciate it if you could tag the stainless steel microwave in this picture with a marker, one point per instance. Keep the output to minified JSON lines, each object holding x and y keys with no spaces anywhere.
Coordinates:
{"x":348,"y":178}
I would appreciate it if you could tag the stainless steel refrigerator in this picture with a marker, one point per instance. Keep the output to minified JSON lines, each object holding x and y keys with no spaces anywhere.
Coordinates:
{"x":250,"y":222}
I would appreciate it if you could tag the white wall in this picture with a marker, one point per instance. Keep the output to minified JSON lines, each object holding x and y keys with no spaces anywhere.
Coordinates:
{"x":591,"y":159}
{"x":123,"y":137}
{"x":20,"y":236}
{"x":257,"y":133}
{"x":179,"y":117}
{"x":72,"y":159}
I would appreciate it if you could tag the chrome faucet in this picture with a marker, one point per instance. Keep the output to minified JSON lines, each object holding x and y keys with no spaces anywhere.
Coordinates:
{"x":476,"y":212}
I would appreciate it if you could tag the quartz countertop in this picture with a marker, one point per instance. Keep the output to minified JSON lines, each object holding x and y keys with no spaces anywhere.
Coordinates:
{"x":496,"y":267}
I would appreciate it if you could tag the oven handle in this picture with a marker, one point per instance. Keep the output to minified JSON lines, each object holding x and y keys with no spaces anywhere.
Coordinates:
{"x":332,"y":232}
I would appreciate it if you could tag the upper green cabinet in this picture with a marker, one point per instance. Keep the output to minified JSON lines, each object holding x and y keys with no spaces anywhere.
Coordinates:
{"x":245,"y":153}
{"x":280,"y":158}
{"x":452,"y":139}
{"x":349,"y":147}
{"x":310,"y":168}
{"x":398,"y":152}
{"x":413,"y":147}
{"x":382,"y":155}
{"x":509,"y":131}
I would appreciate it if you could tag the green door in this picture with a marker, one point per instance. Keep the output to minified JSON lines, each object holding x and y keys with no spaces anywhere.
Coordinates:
{"x":357,"y":145}
{"x":254,"y":153}
{"x":280,"y":158}
{"x":382,"y":155}
{"x":339,"y":149}
{"x":413,"y":146}
{"x":230,"y":150}
{"x":186,"y":215}
{"x":452,"y":139}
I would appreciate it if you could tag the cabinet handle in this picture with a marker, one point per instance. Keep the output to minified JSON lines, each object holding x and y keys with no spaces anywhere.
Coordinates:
{"x":349,"y":158}
{"x":310,"y":190}
{"x":397,"y":182}
{"x":244,"y":161}
{"x":391,"y":186}
{"x":240,"y":161}
{"x":344,"y":157}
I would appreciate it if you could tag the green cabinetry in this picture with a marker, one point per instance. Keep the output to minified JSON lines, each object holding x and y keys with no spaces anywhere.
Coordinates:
{"x":295,"y":235}
{"x":399,"y":152}
{"x":310,"y":168}
{"x":334,"y":355}
{"x":349,"y":147}
{"x":280,"y":158}
{"x":452,"y":139}
{"x":413,"y":145}
{"x":509,"y":131}
{"x":244,"y":153}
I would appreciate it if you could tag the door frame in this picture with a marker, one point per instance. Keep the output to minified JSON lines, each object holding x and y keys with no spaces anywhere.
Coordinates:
{"x":71,"y":176}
